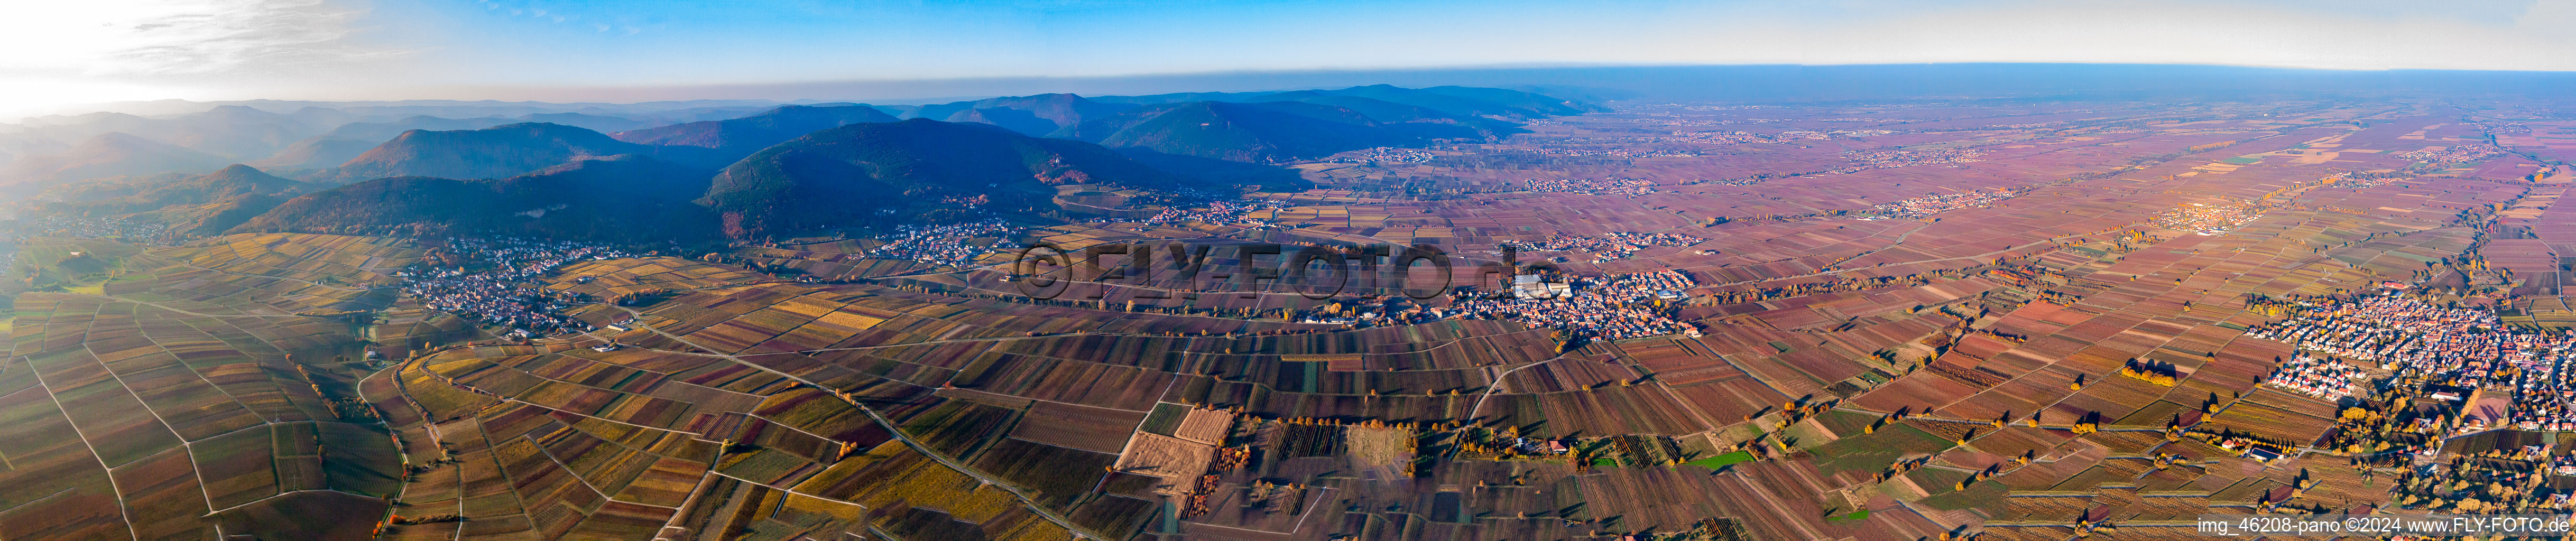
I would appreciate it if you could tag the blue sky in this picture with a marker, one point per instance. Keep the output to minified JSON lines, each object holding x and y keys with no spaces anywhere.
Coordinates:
{"x":864,"y":40}
{"x":99,"y":50}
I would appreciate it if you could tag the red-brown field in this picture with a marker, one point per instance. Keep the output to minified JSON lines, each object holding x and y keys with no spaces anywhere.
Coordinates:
{"x":1881,"y":321}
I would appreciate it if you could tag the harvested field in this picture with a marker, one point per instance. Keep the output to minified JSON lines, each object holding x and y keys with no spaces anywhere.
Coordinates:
{"x":1888,"y":321}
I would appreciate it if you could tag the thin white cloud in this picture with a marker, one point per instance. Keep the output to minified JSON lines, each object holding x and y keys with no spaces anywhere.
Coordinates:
{"x":124,"y":38}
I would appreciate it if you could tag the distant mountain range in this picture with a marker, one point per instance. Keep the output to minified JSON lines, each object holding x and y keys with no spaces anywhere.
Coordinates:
{"x":734,"y":138}
{"x":623,"y":197}
{"x":1036,"y":115}
{"x":1243,"y":132}
{"x":906,"y":171}
{"x":315,"y":153}
{"x":319,"y":140}
{"x":495,"y":152}
{"x":307,"y":139}
{"x":597,"y":123}
{"x":107,"y":155}
{"x":746,"y":174}
{"x":346,"y":142}
{"x":195,"y":204}
{"x":234,"y":132}
{"x":378,"y":132}
{"x":1264,"y":127}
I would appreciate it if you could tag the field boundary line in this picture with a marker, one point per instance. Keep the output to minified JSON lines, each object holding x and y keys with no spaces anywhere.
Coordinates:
{"x":123,"y":512}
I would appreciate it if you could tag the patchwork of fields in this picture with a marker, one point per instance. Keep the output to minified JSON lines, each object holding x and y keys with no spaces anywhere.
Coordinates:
{"x":2041,"y":331}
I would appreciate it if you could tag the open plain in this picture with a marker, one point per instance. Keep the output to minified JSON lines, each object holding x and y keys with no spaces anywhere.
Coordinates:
{"x":1920,"y":319}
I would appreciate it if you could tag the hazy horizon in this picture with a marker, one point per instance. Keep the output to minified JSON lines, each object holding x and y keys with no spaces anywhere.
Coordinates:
{"x":212,"y":50}
{"x":1738,"y":82}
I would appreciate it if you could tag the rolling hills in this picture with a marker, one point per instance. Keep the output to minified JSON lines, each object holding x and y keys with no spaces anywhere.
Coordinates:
{"x":1034,"y":115}
{"x":914,"y":169}
{"x":349,"y":140}
{"x":232,"y":132}
{"x":734,"y":138}
{"x":598,"y":123}
{"x":1283,"y":126}
{"x":104,"y":155}
{"x":784,"y":169}
{"x":1454,"y":100}
{"x":198,"y":204}
{"x":622,"y":198}
{"x":1243,"y":132}
{"x":495,"y":152}
{"x":315,"y":153}
{"x":331,"y":143}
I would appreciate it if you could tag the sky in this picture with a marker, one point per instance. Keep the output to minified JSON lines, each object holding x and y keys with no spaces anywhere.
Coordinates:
{"x":53,"y":54}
